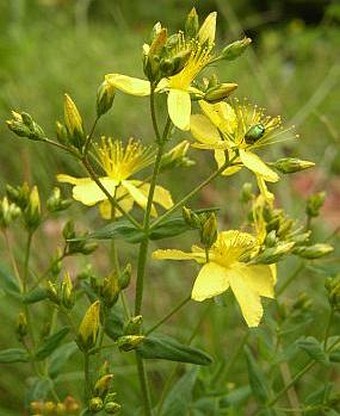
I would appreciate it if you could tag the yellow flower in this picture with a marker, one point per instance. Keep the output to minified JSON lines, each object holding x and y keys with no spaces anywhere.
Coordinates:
{"x":179,"y":86}
{"x":237,"y":129}
{"x":119,"y":163}
{"x":227,"y":268}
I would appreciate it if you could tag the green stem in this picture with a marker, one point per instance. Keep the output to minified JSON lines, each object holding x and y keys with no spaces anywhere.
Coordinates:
{"x":328,"y":327}
{"x":12,"y":260}
{"x":144,"y":385}
{"x":89,"y":137}
{"x":284,"y":286}
{"x":87,"y":381}
{"x":169,"y":315}
{"x":112,"y":200}
{"x":192,"y":193}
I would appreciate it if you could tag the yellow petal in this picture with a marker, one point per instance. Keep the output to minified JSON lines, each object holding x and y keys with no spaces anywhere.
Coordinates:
{"x":220,"y":159}
{"x":208,"y":29}
{"x":211,"y":281}
{"x":129,"y":85}
{"x":105,"y":207}
{"x":255,"y":164}
{"x":267,"y":195}
{"x":221,"y":114}
{"x":161,"y":195}
{"x":139,"y":195}
{"x":259,"y":278}
{"x":249,"y":300}
{"x":176,"y":255}
{"x":203,"y":130}
{"x":86,"y":191}
{"x":179,"y":108}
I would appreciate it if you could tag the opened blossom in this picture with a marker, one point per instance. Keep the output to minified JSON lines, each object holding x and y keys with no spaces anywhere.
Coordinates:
{"x":119,"y":163}
{"x":180,"y":86}
{"x":226,"y":267}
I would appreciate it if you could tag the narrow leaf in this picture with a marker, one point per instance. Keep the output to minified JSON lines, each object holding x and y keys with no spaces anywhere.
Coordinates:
{"x":60,"y":356}
{"x":119,"y":230}
{"x":257,"y":378}
{"x":8,"y":282}
{"x":169,"y":228}
{"x":314,"y":349}
{"x":35,"y":295}
{"x":13,"y":355}
{"x":166,"y":348}
{"x":51,"y":343}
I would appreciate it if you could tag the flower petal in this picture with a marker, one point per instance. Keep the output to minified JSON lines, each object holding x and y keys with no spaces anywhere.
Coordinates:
{"x":208,"y":29}
{"x":105,"y":207}
{"x":220,"y":159}
{"x":256,"y":165}
{"x":267,"y":195}
{"x":211,"y":281}
{"x":86,"y":191}
{"x":161,"y":195}
{"x":176,"y":255}
{"x":203,"y":130}
{"x":259,"y":278}
{"x":221,"y":114}
{"x":129,"y":85}
{"x":139,"y":195}
{"x":179,"y":108}
{"x":247,"y":298}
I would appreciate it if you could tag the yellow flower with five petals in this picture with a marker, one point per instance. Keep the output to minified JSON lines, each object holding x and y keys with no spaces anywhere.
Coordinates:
{"x":226,"y":268}
{"x":119,"y":163}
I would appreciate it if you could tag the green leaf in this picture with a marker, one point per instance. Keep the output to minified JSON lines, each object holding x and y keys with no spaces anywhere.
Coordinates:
{"x":51,"y":343}
{"x":60,"y":356}
{"x":235,"y":397}
{"x":121,"y":229}
{"x":166,"y":348}
{"x":8,"y":282}
{"x":314,"y":349}
{"x":114,"y":324}
{"x":35,"y":295}
{"x":14,"y":355}
{"x":257,"y":379}
{"x":334,"y":356}
{"x":169,"y":228}
{"x":40,"y":389}
{"x":180,"y":396}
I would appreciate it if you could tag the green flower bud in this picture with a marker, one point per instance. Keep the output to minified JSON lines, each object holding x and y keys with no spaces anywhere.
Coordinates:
{"x":110,"y":290}
{"x":220,"y":92}
{"x":273,"y":254}
{"x":235,"y":49}
{"x":52,"y":293}
{"x":32,"y":213}
{"x":105,"y":95}
{"x":271,"y":239}
{"x":246,"y":192}
{"x":172,"y":66}
{"x":209,"y":230}
{"x":314,"y":204}
{"x":332,"y":286}
{"x":102,"y":385}
{"x":191,"y":218}
{"x":112,"y":408}
{"x":152,"y":55}
{"x":55,"y":203}
{"x":89,"y":327}
{"x":21,"y":326}
{"x":313,"y":252}
{"x":96,"y":404}
{"x":176,"y":157}
{"x":9,"y":212}
{"x":292,"y":165}
{"x":133,"y":326}
{"x":73,"y":123}
{"x":68,"y":230}
{"x":61,"y":133}
{"x":24,"y":126}
{"x":191,"y":24}
{"x":67,"y":292}
{"x":129,"y":342}
{"x":125,"y":277}
{"x":19,"y":195}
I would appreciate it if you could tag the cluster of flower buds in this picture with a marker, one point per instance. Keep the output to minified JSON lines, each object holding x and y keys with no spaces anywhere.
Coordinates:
{"x":332,"y":286}
{"x":56,"y":203}
{"x":9,"y":212}
{"x":62,"y":294}
{"x":23,"y":125}
{"x":89,"y":327}
{"x":77,"y":243}
{"x":205,"y":223}
{"x":314,"y":204}
{"x":215,"y":91}
{"x":48,"y":408}
{"x":109,"y":288}
{"x":28,"y":201}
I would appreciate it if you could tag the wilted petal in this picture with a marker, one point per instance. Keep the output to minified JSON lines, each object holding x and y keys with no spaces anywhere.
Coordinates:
{"x":211,"y":281}
{"x":255,"y":164}
{"x":129,"y":85}
{"x":179,"y":108}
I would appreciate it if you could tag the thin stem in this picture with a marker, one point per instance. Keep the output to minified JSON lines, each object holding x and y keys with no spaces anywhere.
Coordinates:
{"x":12,"y":260}
{"x":87,"y":381}
{"x":288,"y":281}
{"x":328,"y":327}
{"x":144,"y":385}
{"x":62,"y":147}
{"x":192,"y":193}
{"x":112,"y":200}
{"x":153,"y":114}
{"x":169,"y":315}
{"x":89,"y":137}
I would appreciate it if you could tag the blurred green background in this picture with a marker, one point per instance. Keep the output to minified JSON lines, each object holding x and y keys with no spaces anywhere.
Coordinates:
{"x":48,"y":47}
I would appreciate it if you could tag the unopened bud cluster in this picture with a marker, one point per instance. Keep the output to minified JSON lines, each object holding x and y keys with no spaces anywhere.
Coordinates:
{"x":205,"y":223}
{"x":23,"y":125}
{"x":68,"y":407}
{"x":77,"y":243}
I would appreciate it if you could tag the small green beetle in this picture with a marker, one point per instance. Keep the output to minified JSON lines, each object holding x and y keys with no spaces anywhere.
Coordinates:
{"x":254,"y":133}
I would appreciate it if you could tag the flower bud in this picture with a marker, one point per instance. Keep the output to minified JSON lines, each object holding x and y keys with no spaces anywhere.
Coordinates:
{"x":209,"y":230}
{"x":292,"y":165}
{"x":246,"y":192}
{"x":52,"y":293}
{"x":71,"y":405}
{"x":191,"y":24}
{"x":152,"y":55}
{"x":102,"y":385}
{"x":61,"y":132}
{"x":9,"y":212}
{"x":73,"y":123}
{"x":191,"y":218}
{"x":96,"y":404}
{"x":176,"y":157}
{"x":110,"y":290}
{"x":89,"y":327}
{"x":20,"y":195}
{"x":235,"y":49}
{"x":67,"y":292}
{"x":55,"y":203}
{"x":129,"y":342}
{"x":125,"y":277}
{"x":21,"y":326}
{"x":133,"y":326}
{"x":220,"y":92}
{"x":314,"y":204}
{"x":24,"y":126}
{"x":313,"y":252}
{"x":172,"y":66}
{"x":332,"y":286}
{"x":273,"y":254}
{"x":32,"y":213}
{"x":105,"y":95}
{"x":112,"y":408}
